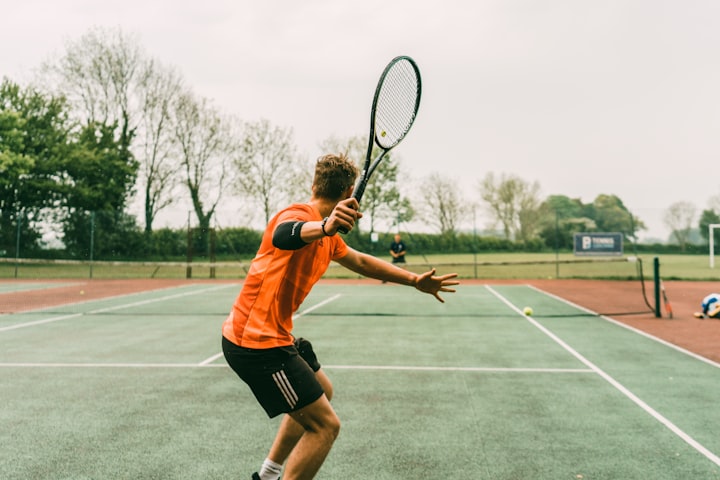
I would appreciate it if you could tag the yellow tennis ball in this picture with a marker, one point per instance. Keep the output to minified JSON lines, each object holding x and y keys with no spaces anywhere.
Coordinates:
{"x":383,"y":133}
{"x":528,"y":311}
{"x":82,"y":292}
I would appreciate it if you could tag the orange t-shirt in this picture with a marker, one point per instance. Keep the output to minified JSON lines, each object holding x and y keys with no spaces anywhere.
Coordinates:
{"x":278,"y":282}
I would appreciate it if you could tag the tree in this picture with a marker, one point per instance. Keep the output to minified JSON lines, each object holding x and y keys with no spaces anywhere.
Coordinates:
{"x":34,"y":142}
{"x":159,"y":168}
{"x":514,"y":203}
{"x":529,"y":213}
{"x":562,"y":217}
{"x":679,"y":218}
{"x":110,"y":80}
{"x":442,"y":203}
{"x":99,"y":74}
{"x":100,"y":179}
{"x":709,"y":217}
{"x":611,"y":215}
{"x":206,"y":142}
{"x":266,"y":166}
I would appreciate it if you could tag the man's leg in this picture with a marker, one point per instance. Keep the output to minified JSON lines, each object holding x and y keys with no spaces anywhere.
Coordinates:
{"x":321,"y":427}
{"x":290,"y":431}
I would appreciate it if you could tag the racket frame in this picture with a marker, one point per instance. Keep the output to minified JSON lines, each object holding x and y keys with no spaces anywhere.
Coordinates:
{"x":368,"y":167}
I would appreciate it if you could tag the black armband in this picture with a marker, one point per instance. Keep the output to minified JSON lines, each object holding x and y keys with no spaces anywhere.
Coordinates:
{"x":287,"y":236}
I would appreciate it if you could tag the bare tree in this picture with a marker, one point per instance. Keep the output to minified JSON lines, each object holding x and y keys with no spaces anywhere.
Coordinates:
{"x":110,"y":80}
{"x":442,"y":203}
{"x":267,"y":167}
{"x":159,"y":167}
{"x":679,"y":218}
{"x":98,"y":74}
{"x":714,"y":203}
{"x":206,"y":142}
{"x":514,"y":203}
{"x":530,"y":214}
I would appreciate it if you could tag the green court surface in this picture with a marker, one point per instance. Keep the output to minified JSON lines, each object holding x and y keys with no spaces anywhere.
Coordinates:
{"x":134,"y":387}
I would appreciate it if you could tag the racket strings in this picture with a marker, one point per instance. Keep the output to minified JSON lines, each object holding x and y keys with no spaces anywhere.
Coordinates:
{"x":397,"y":104}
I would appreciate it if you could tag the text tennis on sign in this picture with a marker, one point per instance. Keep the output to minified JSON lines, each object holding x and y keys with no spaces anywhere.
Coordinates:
{"x":599,"y":244}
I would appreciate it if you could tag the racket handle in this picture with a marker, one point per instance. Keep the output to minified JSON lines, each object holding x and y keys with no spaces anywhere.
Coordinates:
{"x":357,"y":195}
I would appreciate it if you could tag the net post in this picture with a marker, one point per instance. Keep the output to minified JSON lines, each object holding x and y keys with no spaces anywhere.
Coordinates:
{"x":711,"y":242}
{"x":656,"y":279}
{"x":188,"y":267}
{"x":212,"y":253}
{"x":18,"y":221}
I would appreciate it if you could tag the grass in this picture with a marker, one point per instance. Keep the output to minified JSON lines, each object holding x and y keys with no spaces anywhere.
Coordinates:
{"x":487,"y":265}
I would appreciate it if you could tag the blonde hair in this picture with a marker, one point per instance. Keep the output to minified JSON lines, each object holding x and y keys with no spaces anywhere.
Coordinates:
{"x":334,"y":174}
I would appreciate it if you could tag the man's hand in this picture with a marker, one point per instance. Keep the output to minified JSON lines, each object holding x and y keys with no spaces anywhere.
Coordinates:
{"x":429,"y":283}
{"x":344,"y":216}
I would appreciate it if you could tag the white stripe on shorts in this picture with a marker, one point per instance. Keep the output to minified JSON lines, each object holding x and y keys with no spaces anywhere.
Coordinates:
{"x":286,"y":389}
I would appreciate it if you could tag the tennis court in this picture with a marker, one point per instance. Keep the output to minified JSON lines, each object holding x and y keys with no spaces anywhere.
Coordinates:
{"x":133,"y":386}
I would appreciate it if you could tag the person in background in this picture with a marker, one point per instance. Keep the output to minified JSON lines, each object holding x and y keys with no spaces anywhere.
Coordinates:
{"x":710,"y":307}
{"x":398,"y":249}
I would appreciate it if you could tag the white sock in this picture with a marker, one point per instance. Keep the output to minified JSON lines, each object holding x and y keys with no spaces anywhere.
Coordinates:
{"x":270,"y":470}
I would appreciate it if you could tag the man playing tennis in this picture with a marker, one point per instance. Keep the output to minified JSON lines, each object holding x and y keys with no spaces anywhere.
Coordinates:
{"x":283,"y":372}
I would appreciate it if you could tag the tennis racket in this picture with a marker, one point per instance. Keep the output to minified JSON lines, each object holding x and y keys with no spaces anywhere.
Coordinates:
{"x":394,"y":109}
{"x":666,"y":302}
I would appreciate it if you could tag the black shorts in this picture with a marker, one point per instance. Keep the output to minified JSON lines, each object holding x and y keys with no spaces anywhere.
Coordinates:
{"x":282,"y":379}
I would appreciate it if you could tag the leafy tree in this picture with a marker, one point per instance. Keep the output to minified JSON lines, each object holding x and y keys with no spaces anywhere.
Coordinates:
{"x":100,"y":181}
{"x":707,"y":218}
{"x":404,"y":211}
{"x":611,"y":215}
{"x":563,"y":217}
{"x":559,"y":221}
{"x":382,"y":199}
{"x":34,"y":141}
{"x":564,"y":207}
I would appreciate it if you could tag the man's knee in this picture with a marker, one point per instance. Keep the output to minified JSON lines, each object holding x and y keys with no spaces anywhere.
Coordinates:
{"x":333,"y":427}
{"x":319,"y":418}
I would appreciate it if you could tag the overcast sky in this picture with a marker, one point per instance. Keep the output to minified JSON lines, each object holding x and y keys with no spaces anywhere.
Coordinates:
{"x":584,"y":96}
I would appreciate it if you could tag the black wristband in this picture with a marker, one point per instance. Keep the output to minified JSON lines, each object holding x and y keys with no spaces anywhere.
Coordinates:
{"x":322,"y":227}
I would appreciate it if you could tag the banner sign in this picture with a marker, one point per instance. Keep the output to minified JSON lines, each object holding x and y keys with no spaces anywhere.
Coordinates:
{"x":600,"y":244}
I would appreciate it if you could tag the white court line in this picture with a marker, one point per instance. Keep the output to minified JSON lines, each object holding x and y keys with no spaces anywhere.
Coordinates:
{"x":98,"y":365}
{"x":108,"y":309}
{"x":297,"y":315}
{"x":633,"y":329}
{"x":457,"y":369}
{"x":397,"y":368}
{"x":622,"y":389}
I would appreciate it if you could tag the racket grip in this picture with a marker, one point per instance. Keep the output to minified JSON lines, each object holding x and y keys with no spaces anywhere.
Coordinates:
{"x":357,"y":195}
